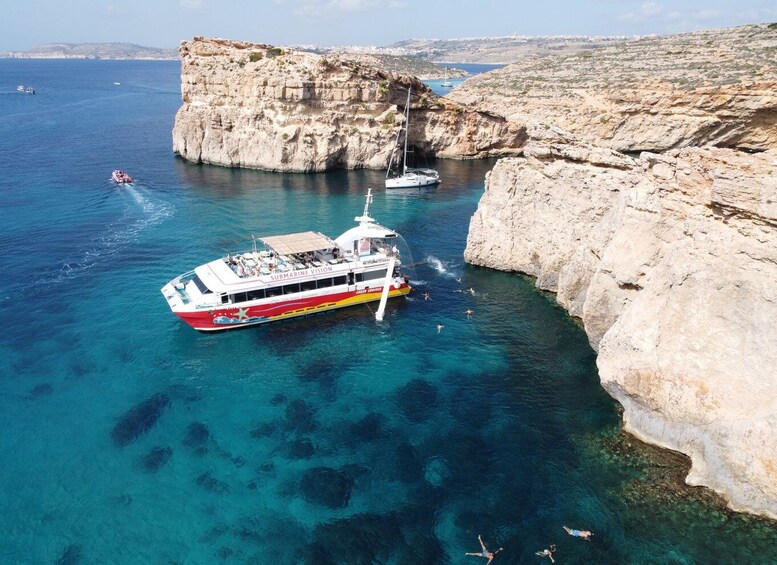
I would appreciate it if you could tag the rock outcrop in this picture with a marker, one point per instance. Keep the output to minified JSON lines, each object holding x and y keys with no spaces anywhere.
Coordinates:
{"x":258,"y":106}
{"x":671,"y":263}
{"x":716,"y":87}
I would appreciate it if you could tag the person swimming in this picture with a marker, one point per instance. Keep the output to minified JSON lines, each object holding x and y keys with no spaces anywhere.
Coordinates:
{"x":548,"y":553}
{"x":585,"y":534}
{"x":485,"y":553}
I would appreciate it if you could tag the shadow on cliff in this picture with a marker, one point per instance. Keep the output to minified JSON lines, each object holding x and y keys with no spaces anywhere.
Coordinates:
{"x":216,"y":181}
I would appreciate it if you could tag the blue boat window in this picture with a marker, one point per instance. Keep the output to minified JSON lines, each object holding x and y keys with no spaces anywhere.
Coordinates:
{"x":256,"y":294}
{"x":359,"y":277}
{"x":339,"y":280}
{"x":308,"y":285}
{"x":323,"y":283}
{"x":372,"y":275}
{"x":291,"y":288}
{"x":274,"y":291}
{"x":238,"y":297}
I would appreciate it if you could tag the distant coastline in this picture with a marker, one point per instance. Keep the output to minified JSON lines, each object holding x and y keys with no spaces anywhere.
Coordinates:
{"x":441,"y":52}
{"x":109,"y":51}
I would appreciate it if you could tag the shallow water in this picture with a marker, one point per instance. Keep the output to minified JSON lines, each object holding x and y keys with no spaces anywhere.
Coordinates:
{"x":128,"y":437}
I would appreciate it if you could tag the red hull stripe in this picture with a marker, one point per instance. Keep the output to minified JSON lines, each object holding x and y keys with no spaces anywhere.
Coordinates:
{"x":240,"y":316}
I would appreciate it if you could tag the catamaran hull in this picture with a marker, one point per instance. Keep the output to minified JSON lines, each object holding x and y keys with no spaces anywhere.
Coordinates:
{"x":240,"y":316}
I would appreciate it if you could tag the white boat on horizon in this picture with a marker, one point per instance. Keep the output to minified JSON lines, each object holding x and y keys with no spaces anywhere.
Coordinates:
{"x":294,"y":275}
{"x":20,"y":88}
{"x":410,"y":177}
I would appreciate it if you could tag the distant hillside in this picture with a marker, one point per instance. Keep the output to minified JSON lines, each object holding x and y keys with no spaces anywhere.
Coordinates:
{"x":92,"y":51}
{"x":492,"y":50}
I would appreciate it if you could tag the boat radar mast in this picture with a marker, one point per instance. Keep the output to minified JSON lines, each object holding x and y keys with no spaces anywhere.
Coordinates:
{"x":365,"y":217}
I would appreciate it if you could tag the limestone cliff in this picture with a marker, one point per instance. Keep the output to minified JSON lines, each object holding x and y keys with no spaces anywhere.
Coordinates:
{"x":716,"y":87}
{"x":670,"y":261}
{"x":258,"y":106}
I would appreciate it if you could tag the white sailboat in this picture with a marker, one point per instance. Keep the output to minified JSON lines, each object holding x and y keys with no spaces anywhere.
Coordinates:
{"x":446,"y":83}
{"x":410,"y":177}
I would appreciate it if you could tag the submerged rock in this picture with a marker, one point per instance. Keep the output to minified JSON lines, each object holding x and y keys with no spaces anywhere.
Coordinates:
{"x":71,"y":555}
{"x":211,"y":484}
{"x":264,"y":430}
{"x":417,"y":399}
{"x":156,"y":458}
{"x":197,"y":435}
{"x":138,"y":420}
{"x":369,"y":428}
{"x":327,"y":487}
{"x":301,"y":449}
{"x":362,"y":539}
{"x":300,"y":417}
{"x":278,"y":399}
{"x":409,"y":469}
{"x":43,"y":389}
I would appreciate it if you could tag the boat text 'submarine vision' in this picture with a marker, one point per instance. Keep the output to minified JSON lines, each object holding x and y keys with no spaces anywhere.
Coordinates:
{"x":293,"y":275}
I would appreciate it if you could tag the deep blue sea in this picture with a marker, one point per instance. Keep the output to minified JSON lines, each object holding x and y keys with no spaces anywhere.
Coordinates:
{"x":127,"y":437}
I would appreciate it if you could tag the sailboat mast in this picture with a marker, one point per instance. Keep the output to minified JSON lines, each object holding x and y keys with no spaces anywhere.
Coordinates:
{"x":407,"y":130}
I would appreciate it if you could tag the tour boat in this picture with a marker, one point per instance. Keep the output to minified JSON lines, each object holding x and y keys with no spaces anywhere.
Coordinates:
{"x":121,"y":177}
{"x":293,"y":275}
{"x":410,"y":177}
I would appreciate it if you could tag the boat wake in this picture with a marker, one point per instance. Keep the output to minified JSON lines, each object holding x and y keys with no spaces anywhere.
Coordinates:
{"x":116,"y":236}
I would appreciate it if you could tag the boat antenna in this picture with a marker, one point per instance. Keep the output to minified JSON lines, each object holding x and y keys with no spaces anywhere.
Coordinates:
{"x":365,"y":217}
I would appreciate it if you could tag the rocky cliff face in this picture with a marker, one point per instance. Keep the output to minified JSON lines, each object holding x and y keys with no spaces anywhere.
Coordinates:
{"x":715,"y":87}
{"x":670,"y":261}
{"x":250,"y":105}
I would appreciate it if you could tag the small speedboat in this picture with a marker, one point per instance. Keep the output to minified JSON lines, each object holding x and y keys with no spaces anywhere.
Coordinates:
{"x":121,"y":177}
{"x":30,"y":90}
{"x":20,"y":88}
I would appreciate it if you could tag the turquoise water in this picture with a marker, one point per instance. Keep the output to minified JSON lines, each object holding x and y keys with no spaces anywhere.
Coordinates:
{"x":127,"y":437}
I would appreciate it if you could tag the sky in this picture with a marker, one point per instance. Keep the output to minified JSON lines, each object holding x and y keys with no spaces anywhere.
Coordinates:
{"x":164,"y":23}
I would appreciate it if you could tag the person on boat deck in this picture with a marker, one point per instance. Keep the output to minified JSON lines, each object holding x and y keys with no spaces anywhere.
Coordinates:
{"x":585,"y":534}
{"x":485,"y":553}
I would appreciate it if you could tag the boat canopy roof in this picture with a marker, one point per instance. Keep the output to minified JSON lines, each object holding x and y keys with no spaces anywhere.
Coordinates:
{"x":303,"y":242}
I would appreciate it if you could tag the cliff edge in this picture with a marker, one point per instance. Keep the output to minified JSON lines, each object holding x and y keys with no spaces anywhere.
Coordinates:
{"x":670,"y":261}
{"x":258,"y":106}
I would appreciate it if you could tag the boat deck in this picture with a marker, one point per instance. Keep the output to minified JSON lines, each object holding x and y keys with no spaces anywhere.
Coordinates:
{"x":254,"y":264}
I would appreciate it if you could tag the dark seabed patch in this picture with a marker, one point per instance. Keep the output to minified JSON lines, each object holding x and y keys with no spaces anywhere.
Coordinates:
{"x":212,"y":484}
{"x":197,"y":436}
{"x":71,"y":555}
{"x":417,"y":400}
{"x":43,"y":389}
{"x":156,"y":458}
{"x":139,"y":419}
{"x":300,"y":417}
{"x":301,"y":448}
{"x":265,"y":429}
{"x":327,"y":487}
